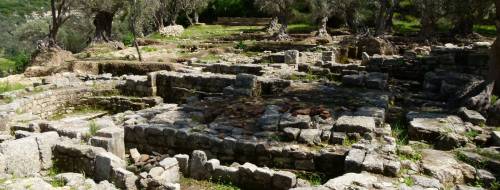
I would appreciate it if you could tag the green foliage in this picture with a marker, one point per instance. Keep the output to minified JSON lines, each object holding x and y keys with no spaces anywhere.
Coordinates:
{"x":213,"y":184}
{"x":494,"y":99}
{"x":400,"y":132}
{"x":409,"y":181}
{"x":348,"y":142}
{"x":207,"y":32}
{"x":128,"y":39}
{"x":149,"y":49}
{"x":93,"y":128}
{"x":7,"y":87}
{"x":301,"y":28}
{"x":416,"y":156}
{"x":241,"y":45}
{"x":471,"y":134}
{"x":487,"y":30}
{"x":479,"y":164}
{"x":407,"y":25}
{"x":313,"y":177}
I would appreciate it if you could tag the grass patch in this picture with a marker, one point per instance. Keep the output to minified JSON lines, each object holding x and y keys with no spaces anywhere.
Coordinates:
{"x":7,"y":87}
{"x":416,"y":156}
{"x":301,"y":28}
{"x":348,"y":142}
{"x":149,"y":49}
{"x":313,"y":178}
{"x":207,"y":32}
{"x":486,"y":30}
{"x":409,"y":181}
{"x":475,"y":163}
{"x":82,"y":110}
{"x":400,"y":132}
{"x":494,"y":99}
{"x":93,"y":128}
{"x":211,"y":184}
{"x":52,"y":172}
{"x":407,"y":25}
{"x":471,"y":134}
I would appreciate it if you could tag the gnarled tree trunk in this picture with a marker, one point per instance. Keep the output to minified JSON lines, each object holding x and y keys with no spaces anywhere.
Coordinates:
{"x":323,"y":31}
{"x":495,"y":53}
{"x":196,"y":18}
{"x":464,"y":26}
{"x":282,"y":35}
{"x":381,"y":17}
{"x":103,"y":23}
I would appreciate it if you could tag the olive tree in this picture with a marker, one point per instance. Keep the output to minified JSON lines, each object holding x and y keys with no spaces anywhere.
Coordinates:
{"x":103,"y":13}
{"x":193,"y":8}
{"x":465,"y":13}
{"x":322,"y":10}
{"x":384,"y":15}
{"x":279,"y":8}
{"x":430,"y":12}
{"x":61,"y":12}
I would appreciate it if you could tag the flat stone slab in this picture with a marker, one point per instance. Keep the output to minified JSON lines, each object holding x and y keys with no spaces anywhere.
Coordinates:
{"x":355,"y":124}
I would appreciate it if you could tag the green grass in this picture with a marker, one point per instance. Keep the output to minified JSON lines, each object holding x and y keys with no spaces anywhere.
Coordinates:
{"x":93,"y":128}
{"x":416,"y":156}
{"x":486,"y":30}
{"x":409,"y":181}
{"x":207,"y":32}
{"x":52,"y":172}
{"x":494,"y":99}
{"x":406,"y":27}
{"x":471,"y":134}
{"x":314,"y":178}
{"x":7,"y":65}
{"x":301,"y":28}
{"x":7,"y":87}
{"x":149,"y":49}
{"x":476,"y":164}
{"x":400,"y":132}
{"x":348,"y":142}
{"x":206,"y":184}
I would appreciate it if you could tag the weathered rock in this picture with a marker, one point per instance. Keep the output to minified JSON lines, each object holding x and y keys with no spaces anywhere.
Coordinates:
{"x":22,"y":157}
{"x":354,"y":160}
{"x":197,"y":165}
{"x":291,"y":133}
{"x":471,"y":116}
{"x":299,"y":121}
{"x":284,"y":180}
{"x":125,"y":179}
{"x":354,"y":80}
{"x":310,"y":136}
{"x":171,"y":171}
{"x":426,"y":182}
{"x":183,"y":160}
{"x":445,"y":131}
{"x":376,"y":80}
{"x":292,"y":57}
{"x":355,"y":124}
{"x":373,"y":163}
{"x":350,"y":180}
{"x":443,"y":166}
{"x":105,"y":163}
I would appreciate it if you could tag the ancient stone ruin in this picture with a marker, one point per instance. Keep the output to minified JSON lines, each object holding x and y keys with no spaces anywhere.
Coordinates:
{"x":367,"y":115}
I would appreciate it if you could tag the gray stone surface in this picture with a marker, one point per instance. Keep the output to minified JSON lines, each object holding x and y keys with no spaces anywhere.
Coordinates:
{"x":354,"y":160}
{"x":284,"y":180}
{"x":299,"y":121}
{"x":443,"y":166}
{"x":292,"y":57}
{"x":355,"y":124}
{"x":197,"y":165}
{"x":310,"y":136}
{"x":183,"y":160}
{"x":105,"y":163}
{"x":350,"y":180}
{"x":291,"y":133}
{"x":22,"y":157}
{"x":471,"y":116}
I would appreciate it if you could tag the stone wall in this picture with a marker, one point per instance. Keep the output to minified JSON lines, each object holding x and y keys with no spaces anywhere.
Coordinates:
{"x":118,"y":68}
{"x":234,"y":69}
{"x":175,"y":87}
{"x":163,"y":139}
{"x":247,"y":176}
{"x":45,"y":104}
{"x":117,"y":104}
{"x":470,"y":60}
